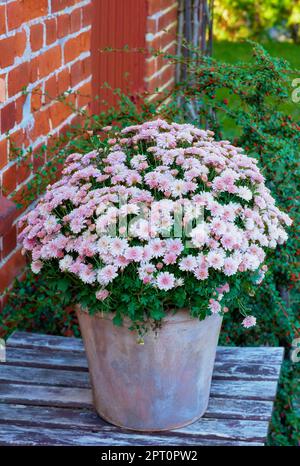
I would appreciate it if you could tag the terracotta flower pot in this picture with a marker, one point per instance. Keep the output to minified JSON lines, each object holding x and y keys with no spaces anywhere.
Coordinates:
{"x":160,"y":385}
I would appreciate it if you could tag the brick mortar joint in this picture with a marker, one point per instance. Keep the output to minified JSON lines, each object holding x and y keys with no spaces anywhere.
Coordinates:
{"x":9,"y":256}
{"x":44,"y":18}
{"x":36,"y":142}
{"x":41,"y":81}
{"x":150,"y":37}
{"x":158,"y":72}
{"x":161,"y":13}
{"x":29,"y":56}
{"x":164,"y":49}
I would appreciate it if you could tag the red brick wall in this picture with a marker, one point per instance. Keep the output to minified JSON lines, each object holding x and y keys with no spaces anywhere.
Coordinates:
{"x":135,"y":72}
{"x":44,"y":46}
{"x":161,"y":35}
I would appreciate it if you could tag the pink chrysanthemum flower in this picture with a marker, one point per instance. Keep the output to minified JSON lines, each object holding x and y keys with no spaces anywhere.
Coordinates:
{"x":163,"y":201}
{"x":249,"y":322}
{"x":165,"y":281}
{"x":102,"y":294}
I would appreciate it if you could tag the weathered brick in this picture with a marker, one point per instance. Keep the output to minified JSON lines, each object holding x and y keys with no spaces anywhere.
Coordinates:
{"x":49,"y":61}
{"x":76,"y":45}
{"x":7,"y":214}
{"x":161,"y":79}
{"x":20,"y":43}
{"x":19,"y":108}
{"x":35,"y":8}
{"x":16,"y":141}
{"x":84,"y":95}
{"x":11,"y":269}
{"x":9,"y":179}
{"x":2,"y":19}
{"x":9,"y":241}
{"x":21,"y":12}
{"x":58,"y":5}
{"x":3,"y":95}
{"x":21,"y":198}
{"x":7,"y":117}
{"x":163,"y":39}
{"x":12,"y":47}
{"x":3,"y":153}
{"x":63,"y":25}
{"x":63,"y":81}
{"x":23,"y":168}
{"x":36,"y":37}
{"x":76,"y":73}
{"x":75,"y":20}
{"x":34,"y":70}
{"x":18,"y":78}
{"x":86,"y":67}
{"x":152,"y":26}
{"x":168,"y":18}
{"x":156,"y":63}
{"x":59,"y":111}
{"x":51,"y":89}
{"x":36,"y":98}
{"x":51,"y":30}
{"x":15,"y":15}
{"x":41,"y":125}
{"x":86,"y":15}
{"x":38,"y":157}
{"x":154,"y":6}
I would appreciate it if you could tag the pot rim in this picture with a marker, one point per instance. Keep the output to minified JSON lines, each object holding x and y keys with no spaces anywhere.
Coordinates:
{"x":179,"y":317}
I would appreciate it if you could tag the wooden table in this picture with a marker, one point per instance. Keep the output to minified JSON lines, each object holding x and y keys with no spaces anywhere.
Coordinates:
{"x":45,"y":398}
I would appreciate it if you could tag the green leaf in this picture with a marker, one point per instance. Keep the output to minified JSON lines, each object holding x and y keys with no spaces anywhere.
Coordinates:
{"x":117,"y":320}
{"x":62,"y":284}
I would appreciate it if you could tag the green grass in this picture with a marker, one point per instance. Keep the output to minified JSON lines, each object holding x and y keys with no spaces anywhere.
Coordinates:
{"x":240,"y":51}
{"x":233,"y":52}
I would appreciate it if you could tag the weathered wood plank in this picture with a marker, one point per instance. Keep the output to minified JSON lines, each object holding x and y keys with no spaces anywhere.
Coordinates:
{"x":239,"y":409}
{"x":45,"y":398}
{"x":20,"y":435}
{"x":248,"y":371}
{"x":257,"y":355}
{"x":242,"y":389}
{"x":47,"y":359}
{"x":234,"y":429}
{"x":218,"y":409}
{"x":73,"y":378}
{"x":45,"y":395}
{"x":77,"y":361}
{"x":75,"y":396}
{"x":254,"y":355}
{"x":43,"y":376}
{"x":36,"y":340}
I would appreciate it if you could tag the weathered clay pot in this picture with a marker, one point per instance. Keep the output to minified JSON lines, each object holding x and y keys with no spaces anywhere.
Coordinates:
{"x":160,"y":385}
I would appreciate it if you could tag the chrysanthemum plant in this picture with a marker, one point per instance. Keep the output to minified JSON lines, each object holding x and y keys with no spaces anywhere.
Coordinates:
{"x":161,"y":217}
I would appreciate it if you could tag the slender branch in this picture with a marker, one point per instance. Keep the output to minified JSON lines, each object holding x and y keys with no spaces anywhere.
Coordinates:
{"x":196,"y":23}
{"x":179,"y":39}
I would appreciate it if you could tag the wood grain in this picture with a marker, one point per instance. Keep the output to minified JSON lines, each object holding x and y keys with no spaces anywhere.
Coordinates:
{"x":226,"y":429}
{"x":19,"y":435}
{"x":45,"y":398}
{"x":251,"y":355}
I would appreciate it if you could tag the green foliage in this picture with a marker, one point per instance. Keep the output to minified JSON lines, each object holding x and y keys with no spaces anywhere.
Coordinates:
{"x":245,"y":102}
{"x":34,"y":306}
{"x":241,"y":19}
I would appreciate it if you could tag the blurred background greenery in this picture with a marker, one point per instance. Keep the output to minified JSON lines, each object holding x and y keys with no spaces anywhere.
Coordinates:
{"x":235,"y":20}
{"x":273,"y":23}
